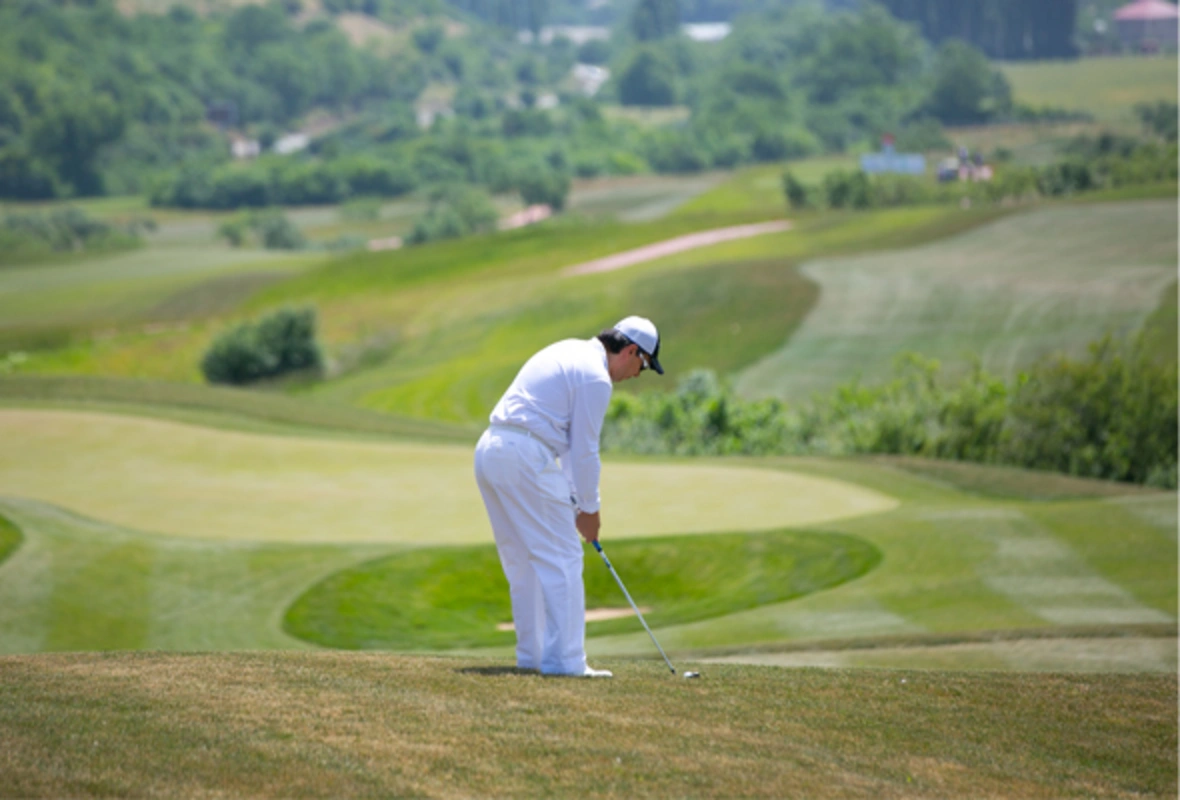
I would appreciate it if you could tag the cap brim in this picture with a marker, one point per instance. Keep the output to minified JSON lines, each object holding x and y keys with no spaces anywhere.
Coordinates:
{"x":655,"y":364}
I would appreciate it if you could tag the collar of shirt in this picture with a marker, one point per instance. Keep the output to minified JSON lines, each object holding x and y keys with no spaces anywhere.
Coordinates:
{"x":602,"y":350}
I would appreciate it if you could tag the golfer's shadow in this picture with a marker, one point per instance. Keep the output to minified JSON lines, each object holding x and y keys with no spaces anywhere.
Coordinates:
{"x":492,"y":672}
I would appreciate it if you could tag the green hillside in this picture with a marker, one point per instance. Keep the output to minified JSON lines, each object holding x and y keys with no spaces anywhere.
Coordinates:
{"x":1106,"y":88}
{"x":1043,"y":282}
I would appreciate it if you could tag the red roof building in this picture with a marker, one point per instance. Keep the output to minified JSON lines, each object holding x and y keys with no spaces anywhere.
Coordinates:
{"x":1148,"y":25}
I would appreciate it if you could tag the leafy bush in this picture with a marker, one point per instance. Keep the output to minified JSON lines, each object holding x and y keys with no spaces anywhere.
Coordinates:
{"x":799,"y":195}
{"x":1160,"y":118}
{"x":26,"y":236}
{"x":277,"y":344}
{"x":540,"y":184}
{"x":269,"y":229}
{"x":1111,"y":416}
{"x":455,"y":210}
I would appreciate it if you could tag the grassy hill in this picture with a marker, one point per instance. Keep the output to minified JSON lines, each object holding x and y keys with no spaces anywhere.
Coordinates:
{"x":339,"y":725}
{"x":1046,"y":281}
{"x":436,"y":332}
{"x":1107,"y":88}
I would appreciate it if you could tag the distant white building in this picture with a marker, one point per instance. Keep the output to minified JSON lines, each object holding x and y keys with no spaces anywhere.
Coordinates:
{"x":241,"y":147}
{"x":578,"y":34}
{"x":291,"y":143}
{"x":590,"y":78}
{"x":706,"y":31}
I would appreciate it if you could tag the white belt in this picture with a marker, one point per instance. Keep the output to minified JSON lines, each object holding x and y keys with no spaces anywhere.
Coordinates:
{"x":523,"y":431}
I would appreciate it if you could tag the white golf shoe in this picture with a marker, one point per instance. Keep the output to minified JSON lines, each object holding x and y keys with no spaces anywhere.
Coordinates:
{"x":590,"y":672}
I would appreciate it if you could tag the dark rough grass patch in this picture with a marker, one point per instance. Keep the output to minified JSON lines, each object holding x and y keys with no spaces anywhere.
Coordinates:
{"x":10,"y":538}
{"x":442,"y":598}
{"x":348,"y":724}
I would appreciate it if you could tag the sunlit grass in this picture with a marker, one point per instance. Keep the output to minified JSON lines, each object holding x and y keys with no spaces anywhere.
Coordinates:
{"x":1049,"y":281}
{"x":182,"y":480}
{"x":347,"y":725}
{"x":435,"y":599}
{"x":1108,"y":88}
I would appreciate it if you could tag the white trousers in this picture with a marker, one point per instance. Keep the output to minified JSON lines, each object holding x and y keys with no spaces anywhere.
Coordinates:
{"x":528,"y":502}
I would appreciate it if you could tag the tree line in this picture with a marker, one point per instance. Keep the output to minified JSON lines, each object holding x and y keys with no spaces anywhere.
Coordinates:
{"x":94,"y":102}
{"x":1004,"y":29}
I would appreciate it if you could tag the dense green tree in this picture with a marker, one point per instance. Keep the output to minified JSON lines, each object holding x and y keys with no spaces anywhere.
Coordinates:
{"x":543,"y":184}
{"x":861,"y":51}
{"x":966,"y":88}
{"x":1007,"y":29}
{"x":652,"y":20}
{"x":648,"y":79}
{"x":69,"y":132}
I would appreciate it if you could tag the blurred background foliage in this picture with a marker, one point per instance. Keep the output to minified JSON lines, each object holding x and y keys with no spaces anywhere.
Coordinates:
{"x":96,"y":101}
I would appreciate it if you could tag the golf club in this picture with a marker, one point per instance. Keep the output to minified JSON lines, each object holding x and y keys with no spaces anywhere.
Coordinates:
{"x":627,"y":594}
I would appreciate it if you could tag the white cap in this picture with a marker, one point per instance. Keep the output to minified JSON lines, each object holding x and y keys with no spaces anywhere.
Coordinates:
{"x":643,"y":333}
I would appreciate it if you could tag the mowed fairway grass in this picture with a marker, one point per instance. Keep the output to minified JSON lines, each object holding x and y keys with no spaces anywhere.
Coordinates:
{"x":349,"y":725}
{"x":1107,"y":88}
{"x":135,"y":533}
{"x":183,"y":480}
{"x":1047,"y":281}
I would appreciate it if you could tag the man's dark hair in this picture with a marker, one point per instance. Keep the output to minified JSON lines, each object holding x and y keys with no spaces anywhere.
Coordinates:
{"x":613,"y":341}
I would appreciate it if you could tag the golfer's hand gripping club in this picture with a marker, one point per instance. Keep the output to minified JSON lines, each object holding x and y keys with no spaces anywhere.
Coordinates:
{"x":627,"y":594}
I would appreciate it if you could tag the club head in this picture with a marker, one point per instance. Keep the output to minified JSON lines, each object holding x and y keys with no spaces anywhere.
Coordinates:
{"x":688,"y":674}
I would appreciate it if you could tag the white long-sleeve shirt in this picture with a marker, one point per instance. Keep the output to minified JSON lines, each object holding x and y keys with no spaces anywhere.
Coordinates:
{"x":560,"y":396}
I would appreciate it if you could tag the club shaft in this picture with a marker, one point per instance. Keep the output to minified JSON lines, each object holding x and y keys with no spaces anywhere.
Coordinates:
{"x":634,"y":607}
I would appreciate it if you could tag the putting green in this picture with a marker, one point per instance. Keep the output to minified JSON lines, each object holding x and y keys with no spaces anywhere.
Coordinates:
{"x":183,"y":480}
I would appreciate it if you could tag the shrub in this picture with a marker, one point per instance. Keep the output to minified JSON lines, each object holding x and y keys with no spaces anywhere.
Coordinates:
{"x":847,"y":189}
{"x":799,"y":196}
{"x":67,"y":230}
{"x":1111,"y":416}
{"x":455,"y":210}
{"x":539,"y":184}
{"x":277,"y":344}
{"x":270,"y":229}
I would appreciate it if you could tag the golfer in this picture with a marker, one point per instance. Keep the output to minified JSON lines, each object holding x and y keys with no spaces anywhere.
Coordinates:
{"x":537,"y":466}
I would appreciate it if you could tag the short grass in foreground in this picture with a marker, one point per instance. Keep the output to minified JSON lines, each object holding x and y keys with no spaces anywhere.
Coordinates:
{"x":345,"y":725}
{"x":441,"y":598}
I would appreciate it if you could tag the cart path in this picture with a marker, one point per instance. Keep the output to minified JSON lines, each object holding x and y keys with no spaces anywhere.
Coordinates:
{"x":680,"y":244}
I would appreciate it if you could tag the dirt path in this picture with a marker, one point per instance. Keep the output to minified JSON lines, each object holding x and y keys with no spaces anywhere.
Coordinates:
{"x":680,"y":244}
